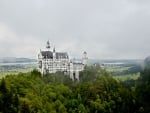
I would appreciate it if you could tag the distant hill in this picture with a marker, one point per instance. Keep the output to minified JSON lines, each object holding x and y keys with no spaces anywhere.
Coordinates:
{"x":16,"y":60}
{"x":116,"y":61}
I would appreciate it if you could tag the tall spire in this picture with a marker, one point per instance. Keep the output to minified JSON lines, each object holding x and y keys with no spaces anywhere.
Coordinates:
{"x":48,"y":45}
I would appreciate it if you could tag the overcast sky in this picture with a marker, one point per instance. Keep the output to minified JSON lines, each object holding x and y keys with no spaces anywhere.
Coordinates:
{"x":106,"y":29}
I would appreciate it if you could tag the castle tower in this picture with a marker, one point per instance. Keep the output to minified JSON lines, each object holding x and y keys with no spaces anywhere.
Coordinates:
{"x":54,"y":53}
{"x":48,"y":45}
{"x":85,"y":58}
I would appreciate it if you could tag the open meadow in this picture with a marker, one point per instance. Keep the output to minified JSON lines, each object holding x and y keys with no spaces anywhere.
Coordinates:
{"x":123,"y":73}
{"x":15,"y":68}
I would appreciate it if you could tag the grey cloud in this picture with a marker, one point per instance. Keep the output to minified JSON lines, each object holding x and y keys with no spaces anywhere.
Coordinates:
{"x":105,"y":29}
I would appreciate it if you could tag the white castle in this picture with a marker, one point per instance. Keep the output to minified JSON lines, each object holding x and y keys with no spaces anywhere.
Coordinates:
{"x":51,"y":61}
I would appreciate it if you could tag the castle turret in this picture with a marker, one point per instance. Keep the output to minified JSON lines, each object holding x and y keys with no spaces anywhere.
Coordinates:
{"x":54,"y":53}
{"x":48,"y":45}
{"x":85,"y":58}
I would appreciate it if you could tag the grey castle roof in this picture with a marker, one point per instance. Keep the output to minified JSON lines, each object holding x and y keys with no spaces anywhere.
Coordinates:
{"x":49,"y":54}
{"x":61,"y":55}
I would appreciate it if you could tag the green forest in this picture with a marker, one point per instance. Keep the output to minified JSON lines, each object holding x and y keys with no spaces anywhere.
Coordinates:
{"x":96,"y":92}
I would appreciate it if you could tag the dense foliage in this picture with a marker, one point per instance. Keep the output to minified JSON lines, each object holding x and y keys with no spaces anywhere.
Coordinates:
{"x":97,"y":92}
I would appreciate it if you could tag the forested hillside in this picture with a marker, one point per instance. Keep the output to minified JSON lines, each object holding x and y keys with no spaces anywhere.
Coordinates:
{"x":97,"y":92}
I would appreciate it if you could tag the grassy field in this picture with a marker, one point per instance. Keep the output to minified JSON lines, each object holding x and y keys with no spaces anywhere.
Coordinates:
{"x":116,"y":68}
{"x":15,"y":69}
{"x":127,"y":77}
{"x":13,"y":72}
{"x":122,"y":77}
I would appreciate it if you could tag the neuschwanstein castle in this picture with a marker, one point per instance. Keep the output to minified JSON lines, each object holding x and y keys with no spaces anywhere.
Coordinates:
{"x":51,"y":61}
